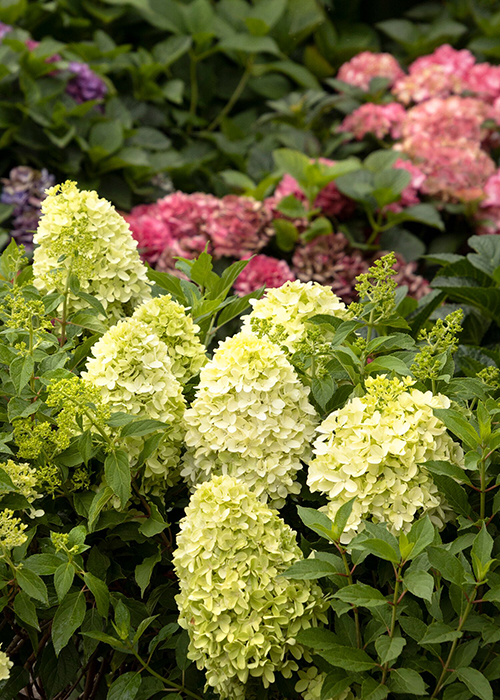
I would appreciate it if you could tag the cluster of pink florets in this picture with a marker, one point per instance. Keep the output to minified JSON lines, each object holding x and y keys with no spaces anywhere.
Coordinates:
{"x":444,"y":119}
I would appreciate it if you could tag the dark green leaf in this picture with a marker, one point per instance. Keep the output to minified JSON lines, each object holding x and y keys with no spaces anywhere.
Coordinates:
{"x":118,"y":476}
{"x":68,"y":618}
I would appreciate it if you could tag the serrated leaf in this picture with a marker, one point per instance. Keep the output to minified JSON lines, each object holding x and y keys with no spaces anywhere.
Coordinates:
{"x":118,"y":475}
{"x":25,"y":610}
{"x":348,"y":658}
{"x":420,"y":583}
{"x":389,"y":648}
{"x":32,"y":584}
{"x":125,"y":687}
{"x":406,"y":680}
{"x":310,"y":569}
{"x":476,"y":682}
{"x":63,"y":578}
{"x":144,"y":570}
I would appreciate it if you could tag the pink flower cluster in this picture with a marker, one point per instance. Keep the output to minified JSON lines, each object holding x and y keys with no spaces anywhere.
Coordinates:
{"x":263,"y":271}
{"x":367,"y":65}
{"x":329,"y":260}
{"x":444,"y":133}
{"x":380,"y":120}
{"x":488,"y":215}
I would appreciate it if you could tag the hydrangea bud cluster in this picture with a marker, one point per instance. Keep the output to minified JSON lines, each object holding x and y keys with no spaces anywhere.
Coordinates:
{"x":5,"y":666}
{"x":374,"y":449}
{"x":174,"y":327}
{"x":83,"y":235}
{"x":131,"y":367}
{"x":281,"y":314}
{"x":242,"y":616}
{"x":442,"y":337}
{"x":251,"y":418}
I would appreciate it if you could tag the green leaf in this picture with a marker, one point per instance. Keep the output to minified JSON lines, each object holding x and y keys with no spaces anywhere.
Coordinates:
{"x":455,"y":494}
{"x":100,"y":500}
{"x":420,"y":583}
{"x":439,"y":632}
{"x":402,"y":241}
{"x":382,"y":364}
{"x":341,"y":517}
{"x":287,"y":234}
{"x":25,"y":610}
{"x":292,"y":162}
{"x":446,"y":564}
{"x":371,"y":690}
{"x":84,"y":319}
{"x":361,"y":594}
{"x":323,"y":389}
{"x":100,"y":592}
{"x":481,"y":553}
{"x":68,"y":618}
{"x":425,"y":214}
{"x":379,"y":548}
{"x":63,"y":579}
{"x":237,"y":307}
{"x":406,"y":680}
{"x":118,"y":475}
{"x":154,"y":524}
{"x":143,"y":571}
{"x":421,"y":535}
{"x":142,"y":427}
{"x":43,"y":564}
{"x":106,"y":138}
{"x":348,"y":658}
{"x":125,"y":687}
{"x":310,"y":569}
{"x":458,"y":425}
{"x":441,"y":468}
{"x":170,"y":50}
{"x":476,"y":682}
{"x":32,"y":584}
{"x":21,"y":371}
{"x":389,"y":648}
{"x":247,"y":43}
{"x":316,"y":521}
{"x":335,"y":684}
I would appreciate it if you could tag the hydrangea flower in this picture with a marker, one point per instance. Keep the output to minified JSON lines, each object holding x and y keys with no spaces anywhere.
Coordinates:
{"x":242,"y":616}
{"x":85,"y":85}
{"x":374,"y":448}
{"x":5,"y":666}
{"x":132,"y":368}
{"x":281,"y":314}
{"x":329,"y":261}
{"x":488,"y":215}
{"x":311,"y":683}
{"x":380,"y":120}
{"x":262,"y":271}
{"x":251,"y":418}
{"x":23,"y":477}
{"x":11,"y":532}
{"x":330,"y":200}
{"x":82,"y":234}
{"x":239,"y":227}
{"x":25,"y":189}
{"x":4,"y":29}
{"x":367,"y":65}
{"x":176,"y":329}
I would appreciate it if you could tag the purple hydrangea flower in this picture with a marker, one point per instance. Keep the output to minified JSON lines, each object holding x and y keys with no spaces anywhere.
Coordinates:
{"x":85,"y":84}
{"x":25,"y":189}
{"x":4,"y":30}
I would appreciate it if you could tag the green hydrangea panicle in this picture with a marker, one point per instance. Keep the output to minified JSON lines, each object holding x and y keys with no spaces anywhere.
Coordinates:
{"x":376,"y":290}
{"x":82,"y":234}
{"x":251,"y":418}
{"x":176,"y":329}
{"x":490,"y":376}
{"x":311,"y":684}
{"x":5,"y":666}
{"x":23,"y":477}
{"x":436,"y":345}
{"x":132,"y":369}
{"x":374,"y":448}
{"x":281,"y":314}
{"x":242,"y":616}
{"x":11,"y":532}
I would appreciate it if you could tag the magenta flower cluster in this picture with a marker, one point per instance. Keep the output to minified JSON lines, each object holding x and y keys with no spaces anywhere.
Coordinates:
{"x":444,"y":117}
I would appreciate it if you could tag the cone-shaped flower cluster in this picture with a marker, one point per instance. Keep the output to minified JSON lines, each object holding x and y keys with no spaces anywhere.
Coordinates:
{"x":176,"y":329}
{"x":83,"y":235}
{"x":242,"y":616}
{"x":5,"y":666}
{"x":374,"y":448}
{"x":132,"y":368}
{"x":251,"y":418}
{"x":281,"y":314}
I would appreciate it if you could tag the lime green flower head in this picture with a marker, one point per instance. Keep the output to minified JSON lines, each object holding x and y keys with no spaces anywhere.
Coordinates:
{"x":11,"y":531}
{"x":176,"y":329}
{"x":23,"y":477}
{"x":374,"y":448}
{"x":242,"y":616}
{"x":311,"y":683}
{"x":5,"y":666}
{"x":131,"y":366}
{"x":251,"y":418}
{"x":282,"y":313}
{"x":82,"y":234}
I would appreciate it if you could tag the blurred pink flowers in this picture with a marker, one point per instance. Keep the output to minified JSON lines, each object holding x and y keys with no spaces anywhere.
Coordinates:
{"x":263,"y":271}
{"x":367,"y":65}
{"x":380,"y":120}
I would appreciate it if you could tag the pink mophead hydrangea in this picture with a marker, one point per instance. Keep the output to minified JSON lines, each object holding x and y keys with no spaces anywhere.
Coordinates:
{"x":263,"y":271}
{"x":380,"y":120}
{"x":367,"y":65}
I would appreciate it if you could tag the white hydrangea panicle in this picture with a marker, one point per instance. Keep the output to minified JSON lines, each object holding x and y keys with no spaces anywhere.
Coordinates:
{"x":81,"y":233}
{"x":251,"y":418}
{"x":281,"y":314}
{"x":374,"y":448}
{"x":176,"y":329}
{"x":131,"y":366}
{"x":5,"y":666}
{"x":243,"y":618}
